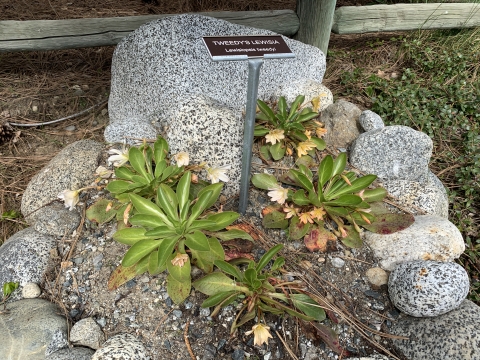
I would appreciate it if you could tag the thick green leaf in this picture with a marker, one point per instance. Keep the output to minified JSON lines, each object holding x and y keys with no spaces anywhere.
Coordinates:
{"x":297,"y":230}
{"x":233,"y":234}
{"x":294,"y":107}
{"x":353,"y":238}
{"x":159,"y":169}
{"x":282,"y":109}
{"x":320,"y":144}
{"x":165,"y":250}
{"x":144,"y":206}
{"x":147,"y":221}
{"x":216,"y":299}
{"x":264,"y":108}
{"x":197,"y":241}
{"x":160,"y":150}
{"x":305,"y":160}
{"x":244,"y":319}
{"x":299,"y":198}
{"x":200,"y":225}
{"x":222,"y":220}
{"x":137,"y":160}
{"x":183,"y":192}
{"x":357,"y":185}
{"x":308,"y":306}
{"x":325,"y":170}
{"x":200,"y":206}
{"x":268,"y":256}
{"x":260,"y":131}
{"x":386,"y":222}
{"x":265,"y":153}
{"x":118,"y":186}
{"x":179,"y":273}
{"x":130,"y":236}
{"x":123,"y":274}
{"x":278,"y":263}
{"x":167,"y":199}
{"x":139,"y":250}
{"x":140,"y":179}
{"x":229,"y":269}
{"x":372,"y":195}
{"x":123,"y":172}
{"x":278,"y":150}
{"x":307,"y":116}
{"x":305,"y":170}
{"x":339,"y":164}
{"x":216,"y":188}
{"x":338,"y":183}
{"x":204,"y":259}
{"x":264,"y":181}
{"x":275,"y":220}
{"x":178,"y":290}
{"x":153,"y":267}
{"x":336,"y":211}
{"x":161,"y":232}
{"x":302,"y":180}
{"x":97,"y":212}
{"x":215,"y":283}
{"x":345,"y":200}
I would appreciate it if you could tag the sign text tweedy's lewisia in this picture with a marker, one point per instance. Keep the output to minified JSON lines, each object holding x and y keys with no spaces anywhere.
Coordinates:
{"x":246,"y":42}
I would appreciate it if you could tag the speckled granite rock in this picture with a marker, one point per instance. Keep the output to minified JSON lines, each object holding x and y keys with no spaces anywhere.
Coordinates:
{"x":429,"y":196}
{"x":24,"y":256}
{"x":56,"y":220}
{"x":452,"y":336}
{"x":370,"y":357}
{"x":121,"y":346}
{"x":165,"y":62}
{"x":32,"y":330}
{"x":341,"y":121}
{"x":209,"y":132}
{"x":370,"y":120}
{"x":430,"y":237}
{"x":72,"y":168}
{"x":88,"y":333}
{"x":393,"y":153}
{"x":428,"y":288}
{"x":310,"y":89}
{"x":76,"y":353}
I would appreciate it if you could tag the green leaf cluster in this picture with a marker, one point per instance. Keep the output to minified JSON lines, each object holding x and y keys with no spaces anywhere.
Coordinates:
{"x":172,"y":225}
{"x":294,"y":122}
{"x":7,"y":289}
{"x":258,"y":287}
{"x":335,"y":199}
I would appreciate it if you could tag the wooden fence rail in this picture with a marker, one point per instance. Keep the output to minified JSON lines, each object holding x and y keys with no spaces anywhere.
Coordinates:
{"x":311,"y":24}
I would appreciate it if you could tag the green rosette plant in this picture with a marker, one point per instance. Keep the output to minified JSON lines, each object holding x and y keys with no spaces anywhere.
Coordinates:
{"x":174,"y":231}
{"x":329,"y":207}
{"x":287,"y":129}
{"x":7,"y":289}
{"x":259,"y":290}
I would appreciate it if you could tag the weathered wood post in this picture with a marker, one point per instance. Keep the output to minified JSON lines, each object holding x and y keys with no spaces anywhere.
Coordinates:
{"x":316,"y":18}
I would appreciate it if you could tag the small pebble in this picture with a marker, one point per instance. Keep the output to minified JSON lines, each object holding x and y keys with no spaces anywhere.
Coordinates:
{"x":70,"y":128}
{"x":204,"y":312}
{"x":376,"y":277}
{"x":34,"y":108}
{"x":238,"y":354}
{"x":337,"y":262}
{"x":31,"y":290}
{"x":177,"y":313}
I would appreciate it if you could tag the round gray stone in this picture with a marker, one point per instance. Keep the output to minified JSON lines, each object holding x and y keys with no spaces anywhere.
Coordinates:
{"x":71,"y":169}
{"x":428,"y":288}
{"x":341,"y":122}
{"x":121,"y":346}
{"x":56,"y":220}
{"x":87,"y":332}
{"x":370,"y":121}
{"x":24,"y":257}
{"x":453,"y":336}
{"x":32,"y":330}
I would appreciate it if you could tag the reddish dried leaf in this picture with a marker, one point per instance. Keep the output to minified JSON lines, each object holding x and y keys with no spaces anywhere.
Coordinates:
{"x":241,"y":245}
{"x":269,"y":209}
{"x":249,"y":229}
{"x":386,"y":222}
{"x":320,"y":239}
{"x":330,"y":338}
{"x":234,"y":254}
{"x":120,"y":276}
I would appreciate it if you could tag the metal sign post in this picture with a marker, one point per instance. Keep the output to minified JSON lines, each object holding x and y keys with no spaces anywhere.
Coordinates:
{"x":254,"y":49}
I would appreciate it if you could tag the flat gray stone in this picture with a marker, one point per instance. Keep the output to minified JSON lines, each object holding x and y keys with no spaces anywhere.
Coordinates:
{"x":121,"y":346}
{"x":166,"y":62}
{"x":370,"y":120}
{"x":56,"y":220}
{"x":24,"y":257}
{"x":453,"y":336}
{"x":428,"y":288}
{"x":393,"y":153}
{"x":200,"y":130}
{"x":75,"y":353}
{"x":430,"y":196}
{"x":87,"y":332}
{"x":341,"y":121}
{"x":32,"y":330}
{"x":430,"y":237}
{"x":72,"y":168}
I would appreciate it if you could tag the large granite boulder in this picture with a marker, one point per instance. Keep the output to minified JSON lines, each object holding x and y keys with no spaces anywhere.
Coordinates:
{"x":166,"y":62}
